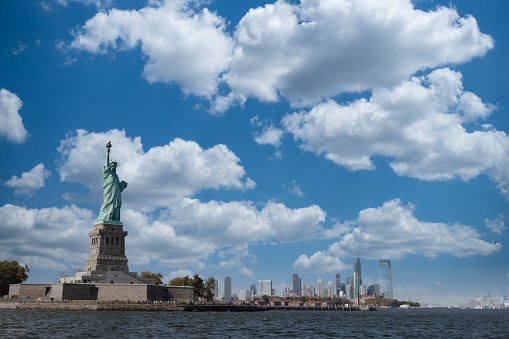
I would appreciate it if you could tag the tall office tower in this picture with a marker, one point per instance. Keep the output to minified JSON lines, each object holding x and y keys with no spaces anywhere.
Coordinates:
{"x":362,"y":290}
{"x":265,"y":287}
{"x":338,"y":283}
{"x":349,"y":288}
{"x":253,"y":289}
{"x":296,"y":285}
{"x":386,"y":279}
{"x":319,"y":287}
{"x":286,"y":291}
{"x":245,"y":295}
{"x":357,"y":277}
{"x":343,"y":288}
{"x":227,"y":295}
{"x":330,"y":289}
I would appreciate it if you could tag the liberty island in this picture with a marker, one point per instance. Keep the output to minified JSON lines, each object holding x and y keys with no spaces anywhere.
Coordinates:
{"x":106,"y":275}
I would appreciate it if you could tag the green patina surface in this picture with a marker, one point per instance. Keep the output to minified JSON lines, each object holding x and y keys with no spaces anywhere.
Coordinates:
{"x":112,"y":192}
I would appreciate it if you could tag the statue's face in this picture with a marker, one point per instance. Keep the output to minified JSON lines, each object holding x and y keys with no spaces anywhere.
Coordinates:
{"x":113,"y":166}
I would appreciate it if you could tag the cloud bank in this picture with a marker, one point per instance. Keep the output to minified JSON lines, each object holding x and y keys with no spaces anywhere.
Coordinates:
{"x":303,"y":52}
{"x":419,"y":125}
{"x":185,"y":235}
{"x":391,"y":231}
{"x":47,"y":238}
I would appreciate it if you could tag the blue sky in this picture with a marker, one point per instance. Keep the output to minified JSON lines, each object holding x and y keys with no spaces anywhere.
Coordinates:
{"x":261,"y":139}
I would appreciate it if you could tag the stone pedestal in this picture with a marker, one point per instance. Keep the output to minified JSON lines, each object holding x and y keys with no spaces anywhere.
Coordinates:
{"x":107,"y":248}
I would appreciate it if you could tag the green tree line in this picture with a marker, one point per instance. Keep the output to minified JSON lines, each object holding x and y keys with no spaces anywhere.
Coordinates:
{"x":201,"y":288}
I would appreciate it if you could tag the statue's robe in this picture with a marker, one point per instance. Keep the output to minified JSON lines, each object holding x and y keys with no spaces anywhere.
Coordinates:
{"x":112,"y":200}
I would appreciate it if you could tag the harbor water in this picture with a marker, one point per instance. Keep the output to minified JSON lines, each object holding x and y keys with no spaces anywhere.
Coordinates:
{"x":395,"y":323}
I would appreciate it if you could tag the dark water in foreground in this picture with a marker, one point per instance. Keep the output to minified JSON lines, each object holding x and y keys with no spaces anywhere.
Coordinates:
{"x":399,"y":323}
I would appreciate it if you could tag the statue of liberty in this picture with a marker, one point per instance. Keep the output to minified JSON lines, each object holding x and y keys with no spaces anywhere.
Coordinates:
{"x":110,"y":209}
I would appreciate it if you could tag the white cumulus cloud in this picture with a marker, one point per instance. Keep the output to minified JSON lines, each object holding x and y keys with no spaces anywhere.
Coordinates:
{"x":182,"y":44}
{"x":304,"y":52}
{"x":392,"y":231}
{"x":11,"y":123}
{"x":47,"y":238}
{"x":321,"y":48}
{"x":232,"y":223}
{"x":182,"y":237}
{"x":157,"y":177}
{"x":29,"y":181}
{"x":418,"y":124}
{"x":270,"y":136}
{"x":190,"y":231}
{"x":319,"y":262}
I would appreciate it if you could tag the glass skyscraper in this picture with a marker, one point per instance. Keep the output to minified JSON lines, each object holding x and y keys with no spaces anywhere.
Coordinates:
{"x":338,"y":283}
{"x":386,"y":279}
{"x":357,"y":277}
{"x":265,"y":287}
{"x":227,"y":296}
{"x":296,"y":284}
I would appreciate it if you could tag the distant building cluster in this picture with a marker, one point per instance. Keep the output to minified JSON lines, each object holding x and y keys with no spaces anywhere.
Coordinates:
{"x":352,"y":287}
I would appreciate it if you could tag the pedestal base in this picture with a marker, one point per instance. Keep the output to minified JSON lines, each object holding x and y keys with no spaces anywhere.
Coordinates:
{"x":107,"y":248}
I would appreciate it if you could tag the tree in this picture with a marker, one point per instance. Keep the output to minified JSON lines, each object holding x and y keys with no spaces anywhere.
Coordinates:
{"x":181,"y":281}
{"x":201,"y":289}
{"x":198,"y":286}
{"x":265,"y":299}
{"x":10,"y":273}
{"x":157,"y":276}
{"x":210,"y":285}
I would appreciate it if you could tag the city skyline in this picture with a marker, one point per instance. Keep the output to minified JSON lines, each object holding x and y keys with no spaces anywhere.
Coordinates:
{"x":382,"y":287}
{"x":261,"y":139}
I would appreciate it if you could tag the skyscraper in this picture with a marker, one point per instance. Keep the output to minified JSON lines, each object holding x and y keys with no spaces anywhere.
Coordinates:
{"x":319,"y":287}
{"x":338,"y":283}
{"x":330,"y":289}
{"x":386,"y":279}
{"x":296,"y":284}
{"x":265,"y":287}
{"x":349,"y":288}
{"x":227,"y":296}
{"x":357,"y":277}
{"x":253,"y":290}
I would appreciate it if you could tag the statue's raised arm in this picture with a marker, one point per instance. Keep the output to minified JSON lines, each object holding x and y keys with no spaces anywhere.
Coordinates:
{"x":108,"y":148}
{"x":112,"y":189}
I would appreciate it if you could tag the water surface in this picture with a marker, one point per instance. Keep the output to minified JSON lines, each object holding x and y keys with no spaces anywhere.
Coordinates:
{"x":396,"y":323}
